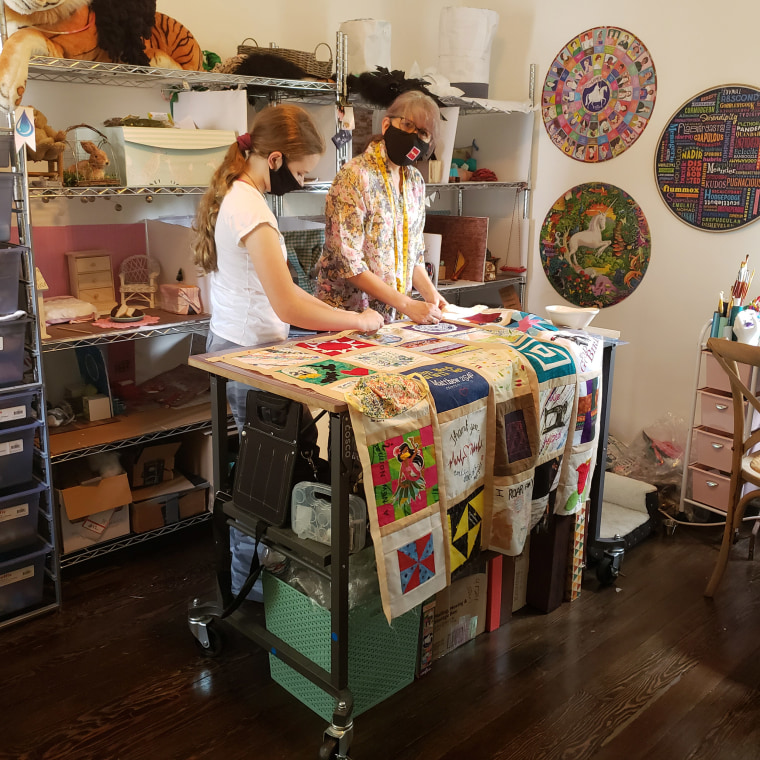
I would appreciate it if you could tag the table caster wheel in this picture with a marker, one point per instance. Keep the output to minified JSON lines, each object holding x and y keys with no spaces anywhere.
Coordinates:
{"x":215,"y":644}
{"x":605,"y":573}
{"x":329,"y":749}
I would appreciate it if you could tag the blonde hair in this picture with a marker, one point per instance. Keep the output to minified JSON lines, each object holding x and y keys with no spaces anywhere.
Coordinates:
{"x":419,"y":108}
{"x":287,"y":129}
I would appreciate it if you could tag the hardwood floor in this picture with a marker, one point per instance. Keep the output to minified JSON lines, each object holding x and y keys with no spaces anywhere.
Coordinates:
{"x":645,"y":669}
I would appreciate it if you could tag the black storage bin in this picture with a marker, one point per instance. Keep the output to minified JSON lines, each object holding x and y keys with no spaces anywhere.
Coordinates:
{"x":18,"y":517}
{"x":10,"y":271}
{"x":12,"y":335}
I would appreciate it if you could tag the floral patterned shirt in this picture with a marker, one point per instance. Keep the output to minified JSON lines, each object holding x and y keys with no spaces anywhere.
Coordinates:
{"x":360,"y":228}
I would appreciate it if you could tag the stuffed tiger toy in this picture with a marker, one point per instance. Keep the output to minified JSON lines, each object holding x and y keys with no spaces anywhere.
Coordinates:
{"x":121,"y":31}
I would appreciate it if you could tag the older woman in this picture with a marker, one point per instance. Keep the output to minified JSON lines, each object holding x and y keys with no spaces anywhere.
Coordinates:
{"x":375,"y":214}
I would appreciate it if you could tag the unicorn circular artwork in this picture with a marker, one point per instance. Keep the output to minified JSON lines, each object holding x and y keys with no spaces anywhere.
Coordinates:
{"x":595,"y":245}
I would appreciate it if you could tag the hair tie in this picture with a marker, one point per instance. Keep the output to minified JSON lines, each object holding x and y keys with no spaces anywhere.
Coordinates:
{"x":244,"y":142}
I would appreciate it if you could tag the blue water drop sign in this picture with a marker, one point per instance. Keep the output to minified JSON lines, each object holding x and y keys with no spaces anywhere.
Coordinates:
{"x":25,"y":126}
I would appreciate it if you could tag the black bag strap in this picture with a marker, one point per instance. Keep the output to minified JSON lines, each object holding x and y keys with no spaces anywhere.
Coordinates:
{"x":253,"y":573}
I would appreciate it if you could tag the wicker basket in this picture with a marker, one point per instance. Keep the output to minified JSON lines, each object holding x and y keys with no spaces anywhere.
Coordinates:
{"x":307,"y":61}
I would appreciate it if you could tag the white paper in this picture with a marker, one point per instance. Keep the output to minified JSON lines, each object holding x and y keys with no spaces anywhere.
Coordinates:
{"x":433,"y":254}
{"x":222,"y":109}
{"x":447,"y":131}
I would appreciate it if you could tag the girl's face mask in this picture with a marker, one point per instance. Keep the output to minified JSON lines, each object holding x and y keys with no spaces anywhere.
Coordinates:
{"x":282,"y":181}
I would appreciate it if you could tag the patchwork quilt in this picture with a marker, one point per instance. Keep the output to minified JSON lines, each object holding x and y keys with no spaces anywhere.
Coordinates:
{"x":468,"y":432}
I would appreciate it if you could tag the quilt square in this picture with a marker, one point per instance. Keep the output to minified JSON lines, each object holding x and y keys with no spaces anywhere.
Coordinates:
{"x":334,"y":346}
{"x":404,"y":474}
{"x":326,"y":372}
{"x":416,"y":563}
{"x":516,"y":433}
{"x":384,"y":359}
{"x":510,"y":522}
{"x":463,"y":452}
{"x":556,"y":410}
{"x":465,"y":528}
{"x":453,"y":386}
{"x":588,"y":403}
{"x":442,"y":328}
{"x":548,"y":359}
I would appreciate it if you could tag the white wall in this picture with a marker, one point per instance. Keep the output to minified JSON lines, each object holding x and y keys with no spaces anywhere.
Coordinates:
{"x":694,"y":46}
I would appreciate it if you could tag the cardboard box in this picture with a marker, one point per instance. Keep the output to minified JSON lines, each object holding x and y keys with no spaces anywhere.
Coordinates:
{"x":180,"y":299}
{"x":168,"y":503}
{"x":460,"y":613}
{"x":154,"y":465}
{"x":96,"y":407}
{"x":82,"y":492}
{"x":93,"y":529}
{"x":148,"y":156}
{"x":520,"y":587}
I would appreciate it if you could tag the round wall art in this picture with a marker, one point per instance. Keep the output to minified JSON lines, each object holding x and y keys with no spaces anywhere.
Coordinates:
{"x":599,"y":94}
{"x":595,"y":245}
{"x":707,"y":164}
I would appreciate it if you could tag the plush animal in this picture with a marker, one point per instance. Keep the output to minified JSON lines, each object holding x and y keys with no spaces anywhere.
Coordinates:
{"x":50,"y":143}
{"x":120,"y":31}
{"x":92,"y":168}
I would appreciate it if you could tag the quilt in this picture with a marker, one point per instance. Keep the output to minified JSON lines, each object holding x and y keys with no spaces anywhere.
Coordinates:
{"x":469,"y":432}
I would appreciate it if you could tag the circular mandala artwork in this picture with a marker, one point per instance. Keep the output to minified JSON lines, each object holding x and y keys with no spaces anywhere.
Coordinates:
{"x":708,"y":159}
{"x":599,"y":94}
{"x":595,"y":245}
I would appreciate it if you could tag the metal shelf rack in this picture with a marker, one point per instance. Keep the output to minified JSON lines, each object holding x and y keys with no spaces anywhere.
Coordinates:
{"x":33,"y":382}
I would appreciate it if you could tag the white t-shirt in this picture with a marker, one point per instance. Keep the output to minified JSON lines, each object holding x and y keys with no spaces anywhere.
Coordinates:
{"x":240,"y":310}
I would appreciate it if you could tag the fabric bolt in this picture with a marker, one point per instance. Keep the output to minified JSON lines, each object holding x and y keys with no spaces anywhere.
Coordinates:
{"x":365,"y":231}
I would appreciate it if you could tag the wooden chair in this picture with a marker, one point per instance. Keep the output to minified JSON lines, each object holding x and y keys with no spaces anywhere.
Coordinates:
{"x":729,"y":354}
{"x":139,"y":280}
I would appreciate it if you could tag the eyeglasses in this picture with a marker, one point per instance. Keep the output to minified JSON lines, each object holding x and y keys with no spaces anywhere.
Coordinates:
{"x":410,"y":126}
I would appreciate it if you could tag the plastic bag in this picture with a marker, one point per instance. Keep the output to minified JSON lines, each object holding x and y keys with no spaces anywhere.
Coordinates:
{"x":656,"y":456}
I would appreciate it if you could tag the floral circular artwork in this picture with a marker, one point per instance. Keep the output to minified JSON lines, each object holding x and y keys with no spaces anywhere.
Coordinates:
{"x":599,"y":94}
{"x":595,"y":245}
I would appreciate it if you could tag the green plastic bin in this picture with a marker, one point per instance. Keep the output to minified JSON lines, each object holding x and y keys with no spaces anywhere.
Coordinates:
{"x":381,"y":657}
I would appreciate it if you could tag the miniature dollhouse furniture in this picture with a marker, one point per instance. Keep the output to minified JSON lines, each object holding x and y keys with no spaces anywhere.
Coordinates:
{"x":729,"y":355}
{"x":91,"y":278}
{"x":139,"y":280}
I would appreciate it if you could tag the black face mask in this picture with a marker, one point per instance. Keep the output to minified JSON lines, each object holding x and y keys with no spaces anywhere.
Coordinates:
{"x":282,"y":181}
{"x":403,"y":148}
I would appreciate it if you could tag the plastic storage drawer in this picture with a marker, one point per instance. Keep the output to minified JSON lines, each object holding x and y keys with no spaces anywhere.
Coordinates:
{"x":15,"y":409}
{"x":12,"y":351}
{"x":381,"y":657}
{"x":716,"y":411}
{"x":22,"y":579}
{"x":714,"y":450}
{"x":717,"y":379}
{"x":710,"y":488}
{"x":10,"y":270}
{"x":17,"y":454}
{"x":6,"y":146}
{"x":18,"y":518}
{"x":6,"y":205}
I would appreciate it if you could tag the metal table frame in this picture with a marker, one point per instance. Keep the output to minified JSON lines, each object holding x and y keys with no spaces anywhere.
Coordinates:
{"x":331,"y":562}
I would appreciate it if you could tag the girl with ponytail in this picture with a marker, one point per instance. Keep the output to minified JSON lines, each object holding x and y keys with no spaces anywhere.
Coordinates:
{"x":238,"y":244}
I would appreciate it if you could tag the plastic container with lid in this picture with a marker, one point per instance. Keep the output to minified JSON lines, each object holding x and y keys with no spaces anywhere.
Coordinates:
{"x":311,"y":515}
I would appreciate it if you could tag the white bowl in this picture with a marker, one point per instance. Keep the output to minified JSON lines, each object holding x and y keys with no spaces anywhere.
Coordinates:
{"x":571,"y":316}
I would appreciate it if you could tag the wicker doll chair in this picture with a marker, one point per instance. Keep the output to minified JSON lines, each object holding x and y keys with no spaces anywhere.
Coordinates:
{"x":139,"y":280}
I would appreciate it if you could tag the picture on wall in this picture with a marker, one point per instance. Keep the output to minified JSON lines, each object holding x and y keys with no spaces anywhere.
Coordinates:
{"x":599,"y":94}
{"x":595,"y":245}
{"x":707,"y":164}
